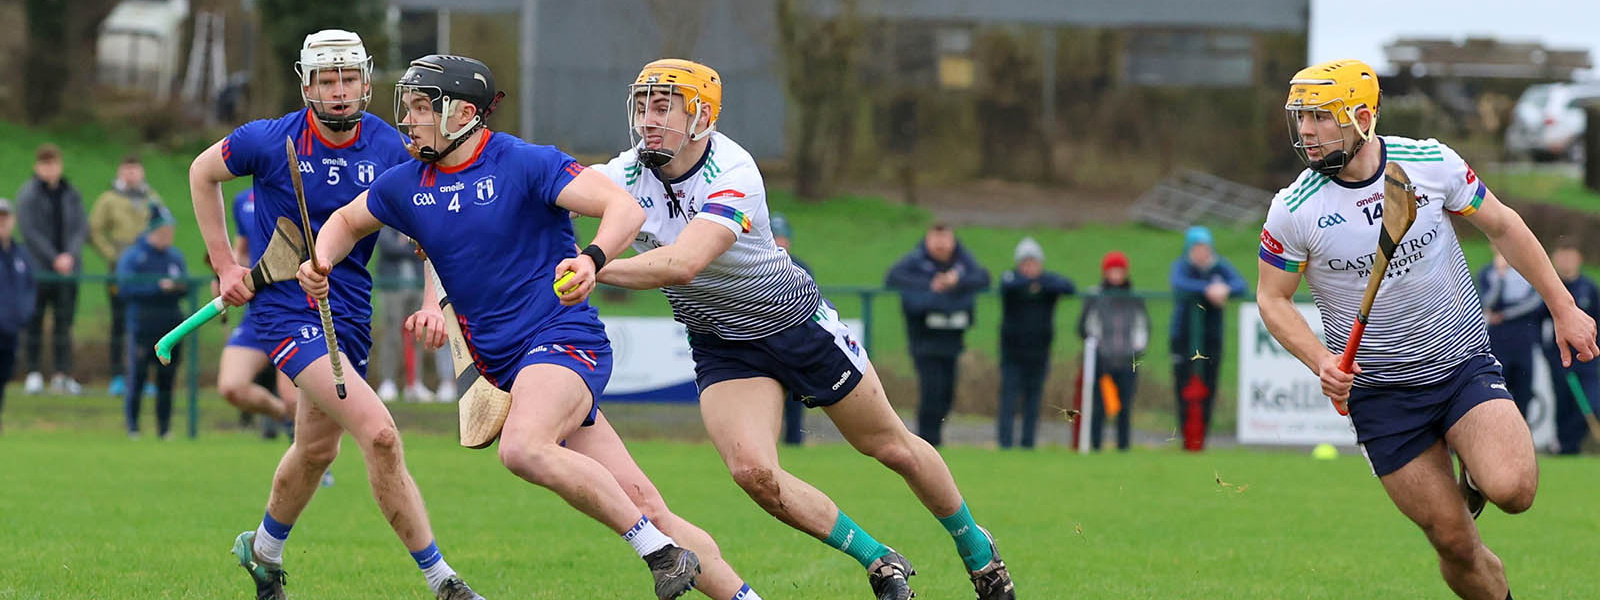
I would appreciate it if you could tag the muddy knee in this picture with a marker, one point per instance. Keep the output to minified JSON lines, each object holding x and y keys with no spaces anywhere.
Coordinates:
{"x":761,"y":483}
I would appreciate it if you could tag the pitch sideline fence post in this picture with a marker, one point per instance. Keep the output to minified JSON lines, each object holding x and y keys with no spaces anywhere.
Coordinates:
{"x":1086,"y":413}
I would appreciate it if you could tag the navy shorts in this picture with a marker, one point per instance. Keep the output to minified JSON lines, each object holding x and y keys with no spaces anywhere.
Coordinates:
{"x":294,"y":341}
{"x":1396,"y":424}
{"x":817,"y":360}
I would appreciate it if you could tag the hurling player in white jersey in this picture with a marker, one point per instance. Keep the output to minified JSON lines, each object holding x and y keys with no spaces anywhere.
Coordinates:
{"x":758,"y":324}
{"x":1424,"y":383}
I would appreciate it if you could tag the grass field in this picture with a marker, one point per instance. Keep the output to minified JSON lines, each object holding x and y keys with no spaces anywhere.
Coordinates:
{"x":87,"y":513}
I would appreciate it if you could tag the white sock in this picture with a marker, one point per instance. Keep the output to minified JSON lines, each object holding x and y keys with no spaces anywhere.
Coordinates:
{"x":645,"y":538}
{"x":745,"y":593}
{"x":437,"y":573}
{"x":268,"y":548}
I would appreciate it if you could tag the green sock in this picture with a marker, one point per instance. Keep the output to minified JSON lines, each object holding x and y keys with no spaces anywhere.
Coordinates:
{"x":971,"y":544}
{"x":849,"y":538}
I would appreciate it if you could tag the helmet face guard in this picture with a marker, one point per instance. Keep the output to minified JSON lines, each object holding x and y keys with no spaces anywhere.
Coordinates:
{"x":425,"y":78}
{"x":1333,"y":91}
{"x":645,"y":99}
{"x":342,"y":54}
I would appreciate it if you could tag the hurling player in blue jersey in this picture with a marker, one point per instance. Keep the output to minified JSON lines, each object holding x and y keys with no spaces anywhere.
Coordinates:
{"x":341,"y":149}
{"x":491,"y":212}
{"x":235,"y":385}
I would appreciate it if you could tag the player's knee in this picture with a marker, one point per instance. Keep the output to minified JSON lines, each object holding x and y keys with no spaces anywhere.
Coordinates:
{"x":233,"y":391}
{"x":532,"y":462}
{"x":899,"y":455}
{"x":384,"y":440}
{"x":761,"y":483}
{"x":317,"y":456}
{"x":1457,"y":544}
{"x":1519,"y":498}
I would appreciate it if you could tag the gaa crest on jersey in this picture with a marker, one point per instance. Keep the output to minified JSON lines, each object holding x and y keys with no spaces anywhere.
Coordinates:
{"x":483,"y":190}
{"x":310,"y":332}
{"x":366,"y":172}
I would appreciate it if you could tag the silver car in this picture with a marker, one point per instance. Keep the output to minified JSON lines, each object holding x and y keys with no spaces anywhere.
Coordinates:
{"x":1548,"y":121}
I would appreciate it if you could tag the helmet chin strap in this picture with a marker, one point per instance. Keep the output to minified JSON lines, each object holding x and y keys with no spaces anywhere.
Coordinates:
{"x":340,"y":124}
{"x":656,"y":158}
{"x":1337,"y":160}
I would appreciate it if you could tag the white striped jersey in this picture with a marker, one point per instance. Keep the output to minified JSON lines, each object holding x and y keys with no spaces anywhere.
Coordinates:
{"x":1426,"y":319}
{"x":752,"y":290}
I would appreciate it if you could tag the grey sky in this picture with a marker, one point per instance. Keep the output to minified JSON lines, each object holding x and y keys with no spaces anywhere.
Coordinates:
{"x":1360,"y":28}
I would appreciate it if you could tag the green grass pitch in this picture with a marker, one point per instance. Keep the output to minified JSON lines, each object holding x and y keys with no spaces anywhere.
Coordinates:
{"x":87,"y":513}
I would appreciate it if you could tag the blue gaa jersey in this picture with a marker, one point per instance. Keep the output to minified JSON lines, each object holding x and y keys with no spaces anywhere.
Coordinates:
{"x":333,"y":176}
{"x":244,"y":223}
{"x":495,"y":235}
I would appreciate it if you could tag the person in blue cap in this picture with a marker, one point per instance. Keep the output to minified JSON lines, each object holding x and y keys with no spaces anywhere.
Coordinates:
{"x":151,"y":280}
{"x":1202,"y":282}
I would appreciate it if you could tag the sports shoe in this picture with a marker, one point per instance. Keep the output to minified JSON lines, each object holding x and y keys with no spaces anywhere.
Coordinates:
{"x":387,"y":391}
{"x":117,"y":387}
{"x":674,"y":569}
{"x":446,"y":393}
{"x":456,"y":589}
{"x":417,"y":392}
{"x":993,"y":582}
{"x":1470,"y":493}
{"x":269,"y":577}
{"x":888,"y":577}
{"x":61,"y":384}
{"x":33,"y":384}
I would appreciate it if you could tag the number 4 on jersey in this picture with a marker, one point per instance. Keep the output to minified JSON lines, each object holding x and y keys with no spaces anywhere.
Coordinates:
{"x":455,"y":203}
{"x":1374,"y":213}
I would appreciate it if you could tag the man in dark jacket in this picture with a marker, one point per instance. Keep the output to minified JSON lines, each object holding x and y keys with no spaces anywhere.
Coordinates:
{"x":17,"y":290}
{"x":152,"y":279}
{"x":54,"y":228}
{"x":794,"y":411}
{"x":1585,"y":376}
{"x":1028,"y":296}
{"x":1515,"y":313}
{"x":938,"y":283}
{"x":1118,"y":322}
{"x":1201,"y":282}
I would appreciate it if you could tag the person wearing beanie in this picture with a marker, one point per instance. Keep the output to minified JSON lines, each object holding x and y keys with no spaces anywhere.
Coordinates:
{"x":1120,"y":326}
{"x":152,"y":281}
{"x":17,"y":291}
{"x":1202,"y":283}
{"x":1028,"y":296}
{"x":938,"y":282}
{"x":794,"y":411}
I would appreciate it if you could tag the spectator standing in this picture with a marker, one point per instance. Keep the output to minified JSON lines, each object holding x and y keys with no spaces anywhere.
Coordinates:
{"x":794,"y":411}
{"x":1570,"y":427}
{"x":1201,"y":283}
{"x":17,"y":290}
{"x":54,"y":229}
{"x":120,"y":215}
{"x":400,"y":293}
{"x":1120,"y":325}
{"x":1028,"y":296}
{"x":1514,"y":312}
{"x":938,"y":283}
{"x":152,"y":279}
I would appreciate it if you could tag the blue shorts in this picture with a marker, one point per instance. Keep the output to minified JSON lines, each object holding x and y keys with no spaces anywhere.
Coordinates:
{"x":1396,"y":424}
{"x":816,"y":360}
{"x":583,"y":352}
{"x":293,"y":341}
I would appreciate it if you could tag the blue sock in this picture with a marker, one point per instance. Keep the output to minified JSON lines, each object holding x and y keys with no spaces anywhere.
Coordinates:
{"x":849,"y":538}
{"x":427,"y":556}
{"x":274,"y":528}
{"x":433,"y":566}
{"x":971,"y":544}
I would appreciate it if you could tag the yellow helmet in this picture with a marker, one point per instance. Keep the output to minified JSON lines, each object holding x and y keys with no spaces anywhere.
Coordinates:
{"x":699,"y":85}
{"x":1339,"y":88}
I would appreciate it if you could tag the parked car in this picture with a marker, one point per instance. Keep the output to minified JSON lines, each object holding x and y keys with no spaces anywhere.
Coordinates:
{"x":1548,"y":121}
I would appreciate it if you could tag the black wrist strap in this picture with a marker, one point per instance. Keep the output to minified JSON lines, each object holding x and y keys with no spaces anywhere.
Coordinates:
{"x":597,"y":255}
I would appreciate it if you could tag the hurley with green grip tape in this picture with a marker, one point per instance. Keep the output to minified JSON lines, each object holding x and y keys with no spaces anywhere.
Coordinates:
{"x":279,"y":262}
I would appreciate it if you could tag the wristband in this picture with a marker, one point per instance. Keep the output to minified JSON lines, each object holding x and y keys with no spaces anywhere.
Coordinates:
{"x":597,"y":255}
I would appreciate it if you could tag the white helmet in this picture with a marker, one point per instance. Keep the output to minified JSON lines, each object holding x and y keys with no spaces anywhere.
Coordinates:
{"x":339,"y":50}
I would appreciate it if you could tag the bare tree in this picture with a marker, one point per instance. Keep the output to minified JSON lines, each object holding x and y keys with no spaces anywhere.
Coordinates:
{"x":820,"y":56}
{"x":58,"y":67}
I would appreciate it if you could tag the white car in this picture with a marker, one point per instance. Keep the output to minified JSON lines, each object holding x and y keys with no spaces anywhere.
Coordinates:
{"x":1548,"y":121}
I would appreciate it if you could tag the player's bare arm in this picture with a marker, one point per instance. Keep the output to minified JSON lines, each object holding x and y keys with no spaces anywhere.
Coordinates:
{"x":673,"y":264}
{"x":206,"y":175}
{"x":1575,"y":330}
{"x":344,"y":227}
{"x":595,"y":195}
{"x":428,"y":322}
{"x":1275,"y":298}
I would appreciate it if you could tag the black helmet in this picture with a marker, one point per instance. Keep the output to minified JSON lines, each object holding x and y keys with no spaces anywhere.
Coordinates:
{"x":446,"y":80}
